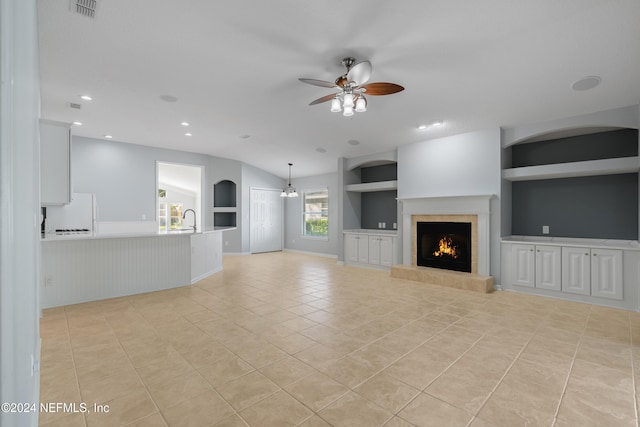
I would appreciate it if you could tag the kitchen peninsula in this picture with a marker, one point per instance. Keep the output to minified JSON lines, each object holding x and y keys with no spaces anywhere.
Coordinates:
{"x":89,"y":267}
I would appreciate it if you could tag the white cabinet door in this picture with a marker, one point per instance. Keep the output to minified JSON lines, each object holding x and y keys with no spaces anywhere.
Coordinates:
{"x":363,"y":248}
{"x":55,"y":163}
{"x":606,"y":273}
{"x":576,"y":270}
{"x":524,"y":265}
{"x":374,"y":250}
{"x":386,"y":251}
{"x":548,"y":271}
{"x":351,"y":247}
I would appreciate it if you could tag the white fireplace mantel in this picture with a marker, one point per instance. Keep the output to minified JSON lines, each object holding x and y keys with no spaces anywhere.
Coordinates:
{"x":455,"y":205}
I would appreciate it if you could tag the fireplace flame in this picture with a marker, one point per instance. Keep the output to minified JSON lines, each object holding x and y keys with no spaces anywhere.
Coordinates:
{"x":446,"y":247}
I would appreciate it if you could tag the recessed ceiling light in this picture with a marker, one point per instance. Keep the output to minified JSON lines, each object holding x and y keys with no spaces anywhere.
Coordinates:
{"x":108,"y":136}
{"x":184,"y":124}
{"x":86,"y":97}
{"x":422,"y":127}
{"x":321,"y":150}
{"x":77,"y":123}
{"x":586,"y":83}
{"x":353,"y":142}
{"x":188,"y":134}
{"x":438,"y":123}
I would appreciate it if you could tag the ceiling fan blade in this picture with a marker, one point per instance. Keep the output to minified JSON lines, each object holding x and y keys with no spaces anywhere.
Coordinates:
{"x":360,"y":73}
{"x":323,"y":99}
{"x":320,"y":83}
{"x":381,"y":88}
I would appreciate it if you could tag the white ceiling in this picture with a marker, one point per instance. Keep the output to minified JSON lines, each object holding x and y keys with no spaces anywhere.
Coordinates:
{"x":234,"y":68}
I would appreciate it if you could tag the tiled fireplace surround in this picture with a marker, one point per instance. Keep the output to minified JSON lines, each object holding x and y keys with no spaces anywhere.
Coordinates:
{"x":470,"y":209}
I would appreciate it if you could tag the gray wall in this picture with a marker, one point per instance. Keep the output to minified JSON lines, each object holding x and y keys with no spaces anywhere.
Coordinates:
{"x":604,"y":207}
{"x":293,"y":214}
{"x":379,"y":206}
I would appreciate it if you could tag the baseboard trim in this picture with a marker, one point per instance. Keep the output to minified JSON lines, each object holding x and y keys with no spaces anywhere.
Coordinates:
{"x":311,"y":253}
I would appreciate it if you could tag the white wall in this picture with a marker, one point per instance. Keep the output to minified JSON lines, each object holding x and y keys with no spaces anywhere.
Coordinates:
{"x":123,"y":176}
{"x":19,"y":208}
{"x":293,"y":239}
{"x":461,"y":165}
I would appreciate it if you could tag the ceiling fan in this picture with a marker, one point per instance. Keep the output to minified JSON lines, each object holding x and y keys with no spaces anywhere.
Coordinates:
{"x":352,"y":88}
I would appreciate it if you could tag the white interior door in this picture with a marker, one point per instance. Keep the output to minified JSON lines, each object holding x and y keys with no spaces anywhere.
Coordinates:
{"x":266,"y":220}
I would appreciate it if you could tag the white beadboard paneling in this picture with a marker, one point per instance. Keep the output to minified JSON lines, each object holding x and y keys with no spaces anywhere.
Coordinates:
{"x":93,"y":269}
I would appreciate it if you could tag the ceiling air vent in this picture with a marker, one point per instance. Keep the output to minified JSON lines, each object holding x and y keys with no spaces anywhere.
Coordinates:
{"x":74,"y":105}
{"x":84,"y":7}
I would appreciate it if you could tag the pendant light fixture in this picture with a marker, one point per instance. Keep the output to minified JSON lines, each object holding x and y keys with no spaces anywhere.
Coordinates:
{"x":289,"y":191}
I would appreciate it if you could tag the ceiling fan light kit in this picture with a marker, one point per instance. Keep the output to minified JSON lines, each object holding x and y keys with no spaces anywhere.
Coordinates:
{"x":352,"y":88}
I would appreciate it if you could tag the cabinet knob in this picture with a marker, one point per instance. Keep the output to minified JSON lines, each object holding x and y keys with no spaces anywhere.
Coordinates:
{"x":586,"y":254}
{"x":530,"y":250}
{"x":595,"y":254}
{"x":538,"y":250}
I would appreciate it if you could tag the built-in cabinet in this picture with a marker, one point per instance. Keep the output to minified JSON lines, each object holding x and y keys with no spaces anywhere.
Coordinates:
{"x":375,"y":250}
{"x":596,"y":272}
{"x":55,"y":163}
{"x":578,"y":270}
{"x":536,"y":266}
{"x":548,"y":267}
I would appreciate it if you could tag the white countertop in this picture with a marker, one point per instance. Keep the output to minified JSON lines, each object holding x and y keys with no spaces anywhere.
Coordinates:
{"x":578,"y":242}
{"x":372,"y":231}
{"x":49,"y":237}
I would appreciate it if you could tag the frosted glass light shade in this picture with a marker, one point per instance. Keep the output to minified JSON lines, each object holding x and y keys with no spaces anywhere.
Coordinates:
{"x":348,"y":100}
{"x":335,"y":105}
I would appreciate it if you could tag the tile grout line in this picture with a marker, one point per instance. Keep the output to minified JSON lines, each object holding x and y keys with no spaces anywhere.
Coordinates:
{"x":439,"y":375}
{"x":134,"y":368}
{"x":513,"y":362}
{"x":573,"y":361}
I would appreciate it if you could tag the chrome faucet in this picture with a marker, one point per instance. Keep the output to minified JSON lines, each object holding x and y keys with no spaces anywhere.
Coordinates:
{"x":184,"y":214}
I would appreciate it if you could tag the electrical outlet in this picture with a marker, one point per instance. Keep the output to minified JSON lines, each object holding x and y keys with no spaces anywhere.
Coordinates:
{"x":48,"y":280}
{"x":143,"y":217}
{"x":545,"y":229}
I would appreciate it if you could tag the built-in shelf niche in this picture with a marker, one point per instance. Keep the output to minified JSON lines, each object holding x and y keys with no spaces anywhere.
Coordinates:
{"x":224,"y":204}
{"x":600,"y":153}
{"x":224,"y":219}
{"x":224,"y":194}
{"x":377,"y":192}
{"x":580,"y":186}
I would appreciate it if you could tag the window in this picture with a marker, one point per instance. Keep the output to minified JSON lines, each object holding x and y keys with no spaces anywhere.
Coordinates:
{"x":315,"y":213}
{"x":171,"y":214}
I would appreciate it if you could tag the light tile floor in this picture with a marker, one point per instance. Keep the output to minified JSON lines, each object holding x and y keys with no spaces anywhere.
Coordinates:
{"x":285,"y":339}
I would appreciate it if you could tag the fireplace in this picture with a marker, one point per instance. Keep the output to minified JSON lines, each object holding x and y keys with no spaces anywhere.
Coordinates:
{"x":445,"y":245}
